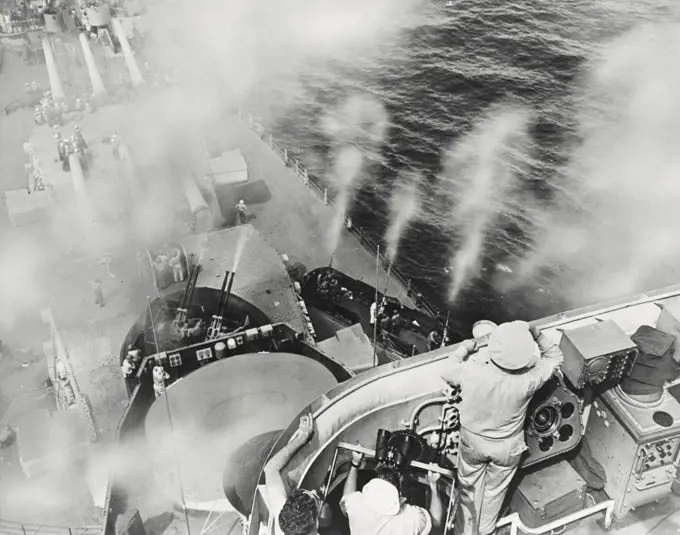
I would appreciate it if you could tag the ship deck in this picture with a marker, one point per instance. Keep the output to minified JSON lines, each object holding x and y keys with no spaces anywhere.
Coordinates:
{"x":294,"y":220}
{"x":46,"y":264}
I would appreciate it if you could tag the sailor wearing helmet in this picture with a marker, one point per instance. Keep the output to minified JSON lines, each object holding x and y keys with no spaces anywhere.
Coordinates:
{"x":159,"y":378}
{"x":496,"y":392}
{"x":80,"y":139}
{"x":242,"y":210}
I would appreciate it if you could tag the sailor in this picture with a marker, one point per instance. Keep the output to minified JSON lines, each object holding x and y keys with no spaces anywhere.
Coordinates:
{"x":64,"y":153}
{"x":242,"y":211}
{"x":379,"y":508}
{"x":159,"y":377}
{"x":383,"y":304}
{"x":80,"y":139}
{"x":175,"y":263}
{"x":162,"y":267}
{"x":134,"y":354}
{"x":298,"y":513}
{"x":385,"y":325}
{"x":396,"y":323}
{"x":59,"y":141}
{"x":373,"y":310}
{"x":115,"y":144}
{"x":98,"y":293}
{"x":128,"y":367}
{"x":38,"y":115}
{"x":194,"y":330}
{"x":496,"y":393}
{"x":433,"y":341}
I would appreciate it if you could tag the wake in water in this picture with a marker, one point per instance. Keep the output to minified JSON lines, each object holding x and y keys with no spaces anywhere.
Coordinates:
{"x":483,"y":170}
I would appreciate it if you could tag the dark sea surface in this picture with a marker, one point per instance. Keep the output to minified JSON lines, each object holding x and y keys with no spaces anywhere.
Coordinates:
{"x":437,"y":78}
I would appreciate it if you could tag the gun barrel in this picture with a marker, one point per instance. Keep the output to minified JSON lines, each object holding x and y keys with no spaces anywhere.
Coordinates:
{"x":193,"y":280}
{"x":228,"y":293}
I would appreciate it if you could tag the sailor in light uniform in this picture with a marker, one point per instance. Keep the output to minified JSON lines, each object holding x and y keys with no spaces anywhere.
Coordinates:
{"x":115,"y":145}
{"x":128,"y":367}
{"x":496,"y":389}
{"x":159,"y":377}
{"x":242,"y":211}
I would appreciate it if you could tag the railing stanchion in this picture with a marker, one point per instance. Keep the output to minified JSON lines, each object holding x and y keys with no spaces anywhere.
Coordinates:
{"x":302,"y":173}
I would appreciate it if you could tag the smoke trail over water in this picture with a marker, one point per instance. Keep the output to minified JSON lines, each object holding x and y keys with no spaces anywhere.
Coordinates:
{"x":614,"y":232}
{"x":357,"y":130}
{"x":484,"y":168}
{"x":404,"y":206}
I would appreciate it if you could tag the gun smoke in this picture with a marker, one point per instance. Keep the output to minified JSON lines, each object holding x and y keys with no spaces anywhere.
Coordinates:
{"x":483,"y":170}
{"x":404,"y":206}
{"x":356,"y":129}
{"x":612,"y":229}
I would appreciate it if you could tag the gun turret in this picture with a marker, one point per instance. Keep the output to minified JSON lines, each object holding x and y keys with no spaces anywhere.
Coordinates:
{"x":216,"y":323}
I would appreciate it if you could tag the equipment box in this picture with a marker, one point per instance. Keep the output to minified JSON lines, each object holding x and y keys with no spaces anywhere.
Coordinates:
{"x":547,"y":494}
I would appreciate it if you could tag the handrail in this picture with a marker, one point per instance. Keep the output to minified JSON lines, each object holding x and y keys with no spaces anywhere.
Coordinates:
{"x":516,"y":524}
{"x":312,"y":183}
{"x":10,"y":527}
{"x":19,"y":26}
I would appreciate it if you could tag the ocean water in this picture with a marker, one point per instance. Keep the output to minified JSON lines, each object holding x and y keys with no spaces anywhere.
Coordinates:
{"x":494,"y":71}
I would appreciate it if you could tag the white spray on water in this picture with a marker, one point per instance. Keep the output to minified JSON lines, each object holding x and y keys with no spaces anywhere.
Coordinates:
{"x":348,"y":163}
{"x":483,"y":169}
{"x":613,"y":231}
{"x":404,"y":206}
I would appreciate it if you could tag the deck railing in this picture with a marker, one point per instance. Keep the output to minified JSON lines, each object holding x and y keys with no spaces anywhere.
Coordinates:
{"x":18,"y":528}
{"x":14,"y":26}
{"x":314,"y":184}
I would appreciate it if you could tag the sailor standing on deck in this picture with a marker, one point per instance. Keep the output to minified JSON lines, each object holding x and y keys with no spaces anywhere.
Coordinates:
{"x":496,"y":393}
{"x":374,"y":312}
{"x":115,"y":145}
{"x":82,"y":146}
{"x":159,"y":377}
{"x":98,"y":292}
{"x":242,"y":210}
{"x":175,"y":263}
{"x":128,"y":367}
{"x":433,"y":341}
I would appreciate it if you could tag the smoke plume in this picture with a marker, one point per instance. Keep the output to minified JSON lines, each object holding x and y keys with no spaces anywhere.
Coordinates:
{"x":404,"y":206}
{"x":483,"y":170}
{"x":613,"y":231}
{"x":356,"y":129}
